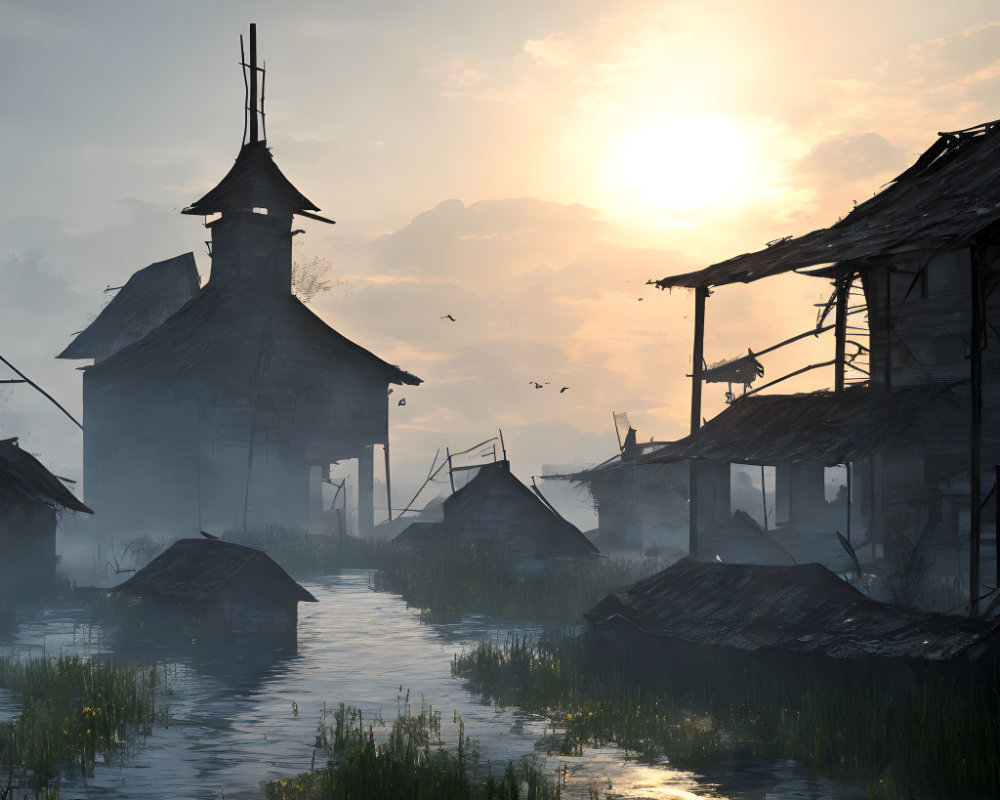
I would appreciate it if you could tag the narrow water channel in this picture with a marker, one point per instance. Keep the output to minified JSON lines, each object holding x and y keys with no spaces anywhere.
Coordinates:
{"x":238,"y":720}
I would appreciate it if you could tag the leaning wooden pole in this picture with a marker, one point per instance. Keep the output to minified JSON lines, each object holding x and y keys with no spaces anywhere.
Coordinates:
{"x":976,"y":422}
{"x":697,"y":363}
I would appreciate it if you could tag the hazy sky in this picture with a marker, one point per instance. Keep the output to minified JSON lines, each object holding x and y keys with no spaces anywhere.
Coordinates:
{"x":523,"y":166}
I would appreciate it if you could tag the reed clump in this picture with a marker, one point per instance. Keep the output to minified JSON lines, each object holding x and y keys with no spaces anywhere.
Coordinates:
{"x":76,"y":713}
{"x":411,"y":762}
{"x":903,"y":730}
{"x":456,"y":578}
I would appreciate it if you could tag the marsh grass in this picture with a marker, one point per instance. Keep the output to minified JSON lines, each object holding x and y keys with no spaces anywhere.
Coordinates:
{"x":76,"y":713}
{"x":588,"y":708}
{"x":453,"y":579}
{"x":902,"y":731}
{"x":407,"y":760}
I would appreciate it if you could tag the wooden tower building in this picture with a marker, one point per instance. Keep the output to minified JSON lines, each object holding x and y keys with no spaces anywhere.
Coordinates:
{"x":218,"y":416}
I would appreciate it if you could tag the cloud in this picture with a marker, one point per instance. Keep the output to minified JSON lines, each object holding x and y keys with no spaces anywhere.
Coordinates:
{"x":850,"y":158}
{"x":556,"y":51}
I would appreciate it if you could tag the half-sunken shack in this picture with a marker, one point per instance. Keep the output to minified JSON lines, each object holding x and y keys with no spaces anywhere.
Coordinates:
{"x":30,"y":500}
{"x":784,"y":611}
{"x":496,"y":511}
{"x":230,"y":588}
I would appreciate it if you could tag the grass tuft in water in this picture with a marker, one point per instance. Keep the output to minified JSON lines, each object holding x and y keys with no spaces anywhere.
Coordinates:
{"x":411,"y":762}
{"x":76,"y":713}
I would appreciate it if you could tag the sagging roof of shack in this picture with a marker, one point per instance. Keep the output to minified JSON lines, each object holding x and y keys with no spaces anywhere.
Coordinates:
{"x":950,"y":193}
{"x":829,"y":427}
{"x":23,"y":479}
{"x":150,"y":296}
{"x":495,"y":507}
{"x":216,"y":326}
{"x":798,"y":609}
{"x":197,"y":569}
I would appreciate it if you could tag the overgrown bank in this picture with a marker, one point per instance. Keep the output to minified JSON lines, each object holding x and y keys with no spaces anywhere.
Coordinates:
{"x":902,"y":732}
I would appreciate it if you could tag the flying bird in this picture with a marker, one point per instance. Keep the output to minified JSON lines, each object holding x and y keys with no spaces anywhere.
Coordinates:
{"x":538,"y":385}
{"x":402,"y":401}
{"x":448,"y":316}
{"x":718,"y":558}
{"x":563,"y":389}
{"x":208,"y":535}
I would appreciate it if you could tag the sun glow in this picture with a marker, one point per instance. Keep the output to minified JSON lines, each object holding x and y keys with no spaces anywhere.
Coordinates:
{"x":668,"y":165}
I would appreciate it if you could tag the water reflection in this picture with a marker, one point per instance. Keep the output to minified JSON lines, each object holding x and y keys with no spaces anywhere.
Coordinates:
{"x":240,"y":716}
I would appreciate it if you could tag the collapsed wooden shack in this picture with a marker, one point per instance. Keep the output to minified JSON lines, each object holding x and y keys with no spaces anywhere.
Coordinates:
{"x":227,"y":588}
{"x":925,"y":255}
{"x":497,"y":512}
{"x":640,"y":506}
{"x":801,"y":610}
{"x":803,"y":435}
{"x":232,"y":410}
{"x":30,"y":500}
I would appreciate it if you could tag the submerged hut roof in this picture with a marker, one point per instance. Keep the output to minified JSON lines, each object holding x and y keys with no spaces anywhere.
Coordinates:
{"x":197,"y":569}
{"x":23,"y":479}
{"x":951,"y":193}
{"x":801,"y":609}
{"x":495,"y":508}
{"x":150,"y":296}
{"x":217,"y":326}
{"x":830,"y":427}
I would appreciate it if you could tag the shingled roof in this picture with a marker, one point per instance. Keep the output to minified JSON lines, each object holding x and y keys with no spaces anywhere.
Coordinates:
{"x":801,"y":609}
{"x":831,"y":427}
{"x":23,"y":479}
{"x":951,"y":193}
{"x":197,"y":569}
{"x":150,"y":296}
{"x":218,"y":325}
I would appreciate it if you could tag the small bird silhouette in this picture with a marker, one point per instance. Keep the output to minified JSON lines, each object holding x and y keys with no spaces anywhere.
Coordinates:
{"x":536,"y":384}
{"x":640,"y":299}
{"x":402,"y":401}
{"x":208,"y":535}
{"x":563,"y":389}
{"x":718,"y":558}
{"x":448,"y":316}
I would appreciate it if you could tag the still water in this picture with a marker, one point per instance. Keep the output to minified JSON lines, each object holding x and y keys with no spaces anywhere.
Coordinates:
{"x":236,"y":721}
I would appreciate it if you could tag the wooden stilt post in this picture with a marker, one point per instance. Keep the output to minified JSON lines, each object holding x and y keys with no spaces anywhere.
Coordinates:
{"x":977,"y":336}
{"x":388,"y":481}
{"x":763,"y":494}
{"x":850,"y":468}
{"x":451,"y":475}
{"x":366,"y":490}
{"x":697,"y":362}
{"x":840,"y":333}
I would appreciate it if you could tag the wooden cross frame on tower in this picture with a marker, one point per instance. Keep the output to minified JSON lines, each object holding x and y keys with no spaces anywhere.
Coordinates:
{"x":253,"y":108}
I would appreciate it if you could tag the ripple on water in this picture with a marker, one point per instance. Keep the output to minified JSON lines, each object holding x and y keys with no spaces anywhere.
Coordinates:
{"x":233,"y":722}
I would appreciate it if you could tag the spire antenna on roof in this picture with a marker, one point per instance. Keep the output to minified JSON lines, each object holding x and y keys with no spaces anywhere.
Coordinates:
{"x":253,"y":105}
